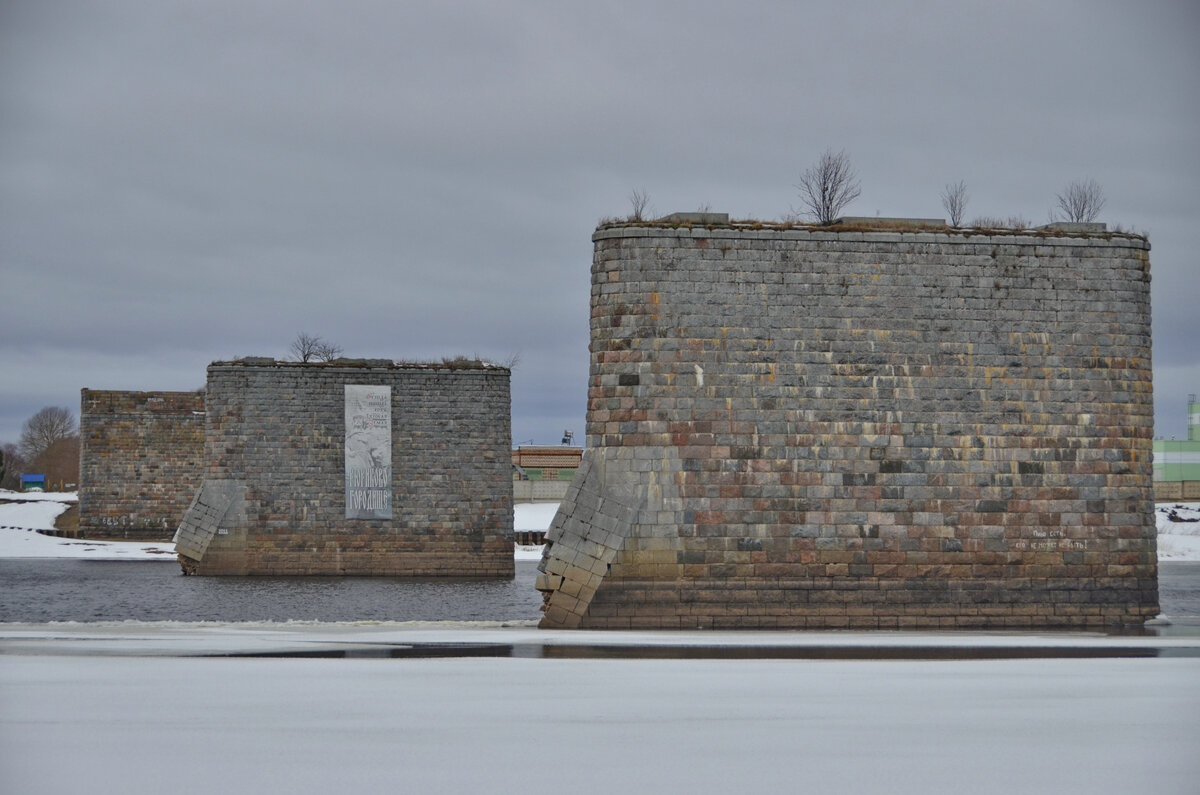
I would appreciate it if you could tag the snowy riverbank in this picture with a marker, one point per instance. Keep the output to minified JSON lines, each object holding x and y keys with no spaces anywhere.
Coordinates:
{"x":1178,"y":530}
{"x":144,"y":708}
{"x":22,"y":514}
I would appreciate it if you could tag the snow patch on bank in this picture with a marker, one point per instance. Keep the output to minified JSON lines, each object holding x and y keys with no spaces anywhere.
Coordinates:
{"x":39,"y":496}
{"x":1178,"y":530}
{"x":22,"y":514}
{"x":533,"y":516}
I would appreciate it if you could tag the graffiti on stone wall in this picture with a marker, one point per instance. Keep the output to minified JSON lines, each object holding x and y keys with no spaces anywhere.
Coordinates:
{"x":368,"y":452}
{"x":131,"y":520}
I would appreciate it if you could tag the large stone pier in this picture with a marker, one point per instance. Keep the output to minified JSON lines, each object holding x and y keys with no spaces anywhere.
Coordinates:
{"x":863,"y":426}
{"x":357,"y":466}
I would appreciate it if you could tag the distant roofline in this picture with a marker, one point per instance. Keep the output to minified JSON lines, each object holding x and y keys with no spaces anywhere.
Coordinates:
{"x":558,"y":448}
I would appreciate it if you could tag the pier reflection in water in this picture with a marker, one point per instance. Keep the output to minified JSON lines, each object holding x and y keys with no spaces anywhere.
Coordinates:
{"x":35,"y":590}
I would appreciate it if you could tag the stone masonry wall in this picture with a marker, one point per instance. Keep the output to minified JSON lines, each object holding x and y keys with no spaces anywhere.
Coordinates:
{"x":274,"y":496}
{"x":140,"y":460}
{"x":861,"y":428}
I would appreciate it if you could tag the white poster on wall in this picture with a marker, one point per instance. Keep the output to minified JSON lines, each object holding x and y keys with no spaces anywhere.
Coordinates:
{"x":368,"y":452}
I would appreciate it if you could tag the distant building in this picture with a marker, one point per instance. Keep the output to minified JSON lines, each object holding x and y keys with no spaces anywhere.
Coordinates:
{"x":1177,"y":464}
{"x":541,"y":473}
{"x":33,"y":482}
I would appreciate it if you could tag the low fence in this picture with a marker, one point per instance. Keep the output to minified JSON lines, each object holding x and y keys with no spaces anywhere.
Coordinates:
{"x":539,"y":490}
{"x":1177,"y":491}
{"x":530,"y":537}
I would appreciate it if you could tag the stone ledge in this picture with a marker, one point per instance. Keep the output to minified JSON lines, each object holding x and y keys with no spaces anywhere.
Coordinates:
{"x":465,"y":365}
{"x":1041,"y":236}
{"x":890,"y":223}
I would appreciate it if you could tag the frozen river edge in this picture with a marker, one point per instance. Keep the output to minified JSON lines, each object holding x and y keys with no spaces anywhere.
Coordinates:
{"x":300,"y":639}
{"x":128,"y":707}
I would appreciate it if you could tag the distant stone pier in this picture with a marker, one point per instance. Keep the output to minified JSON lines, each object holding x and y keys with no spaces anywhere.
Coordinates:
{"x":355,"y":467}
{"x":140,"y":458}
{"x":891,"y":426}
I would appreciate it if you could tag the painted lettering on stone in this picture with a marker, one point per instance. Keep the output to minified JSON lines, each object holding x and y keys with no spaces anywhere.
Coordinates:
{"x":368,"y":452}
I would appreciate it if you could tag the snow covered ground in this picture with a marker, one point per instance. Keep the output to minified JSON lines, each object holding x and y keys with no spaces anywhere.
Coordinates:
{"x":1178,"y":539}
{"x":139,"y":714}
{"x":22,"y":514}
{"x":535,"y":516}
{"x":1178,"y":530}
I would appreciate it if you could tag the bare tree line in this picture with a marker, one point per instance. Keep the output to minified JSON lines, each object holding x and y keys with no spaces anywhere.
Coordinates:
{"x":312,"y":348}
{"x":639,"y":201}
{"x":1081,"y":202}
{"x":828,"y":187}
{"x":954,"y":199}
{"x":49,"y":445}
{"x":831,"y":184}
{"x":45,"y":428}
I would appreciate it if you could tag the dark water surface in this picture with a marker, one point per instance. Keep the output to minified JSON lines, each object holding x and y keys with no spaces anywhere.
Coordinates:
{"x":38,"y":590}
{"x":91,"y":590}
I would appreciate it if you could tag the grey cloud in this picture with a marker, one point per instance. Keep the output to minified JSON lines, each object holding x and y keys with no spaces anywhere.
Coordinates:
{"x":186,"y":183}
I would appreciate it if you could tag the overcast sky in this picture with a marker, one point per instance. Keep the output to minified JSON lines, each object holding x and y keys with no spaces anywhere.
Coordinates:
{"x":189,"y":182}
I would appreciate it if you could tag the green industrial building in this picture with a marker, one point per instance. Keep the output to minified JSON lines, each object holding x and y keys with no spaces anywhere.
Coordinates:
{"x":1177,"y":463}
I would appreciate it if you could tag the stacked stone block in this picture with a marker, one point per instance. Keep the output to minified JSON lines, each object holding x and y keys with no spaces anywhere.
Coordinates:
{"x":140,"y":460}
{"x":861,"y":428}
{"x":273,"y":498}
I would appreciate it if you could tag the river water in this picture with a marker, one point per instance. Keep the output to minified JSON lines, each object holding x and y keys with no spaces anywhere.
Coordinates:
{"x":39,"y":590}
